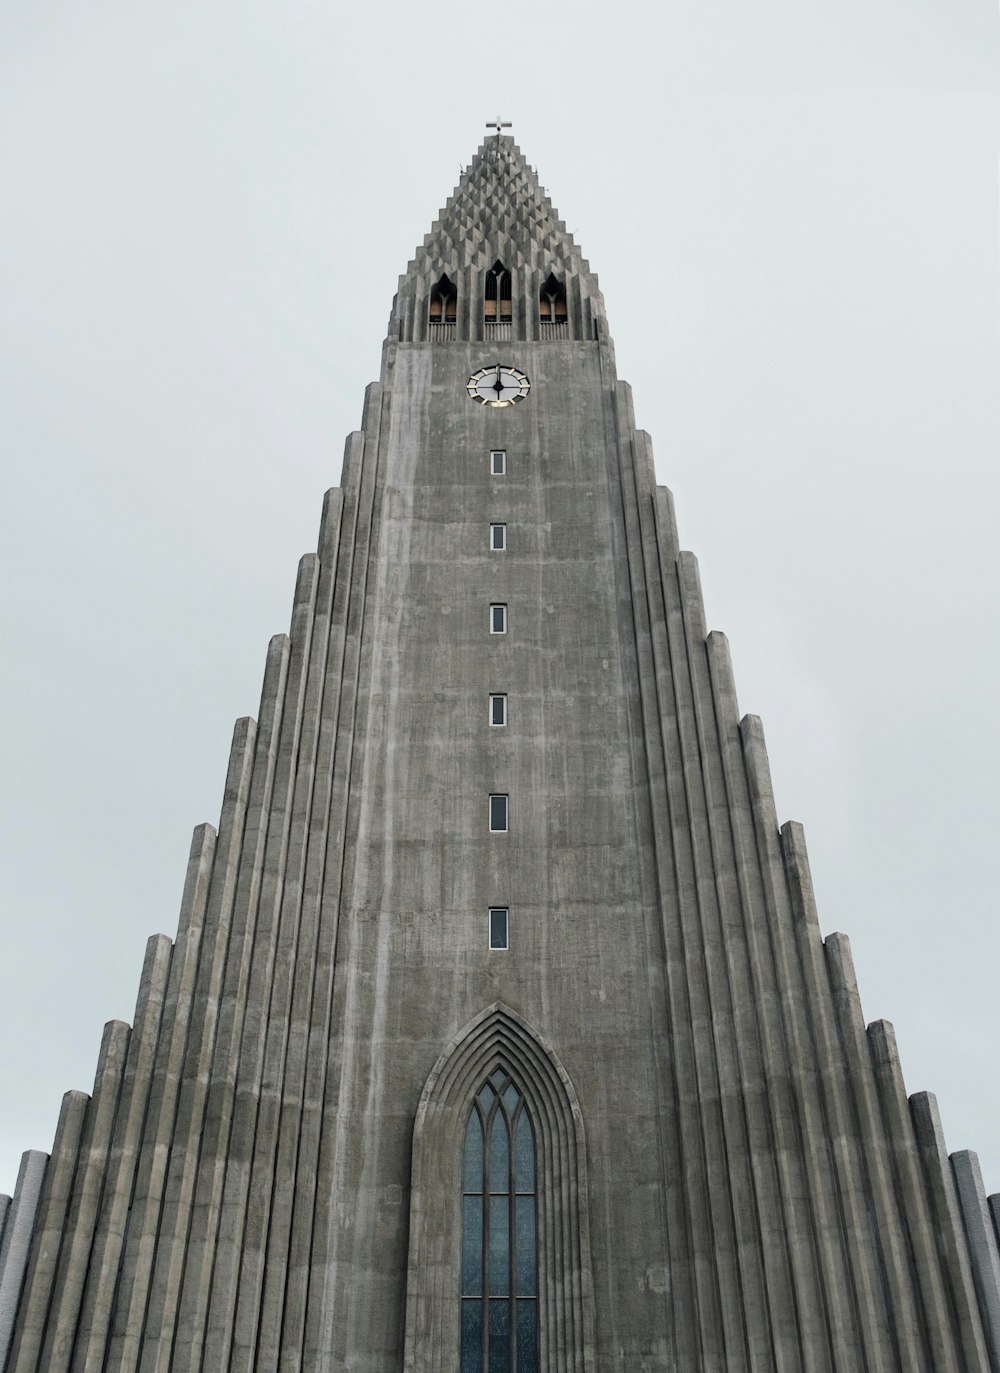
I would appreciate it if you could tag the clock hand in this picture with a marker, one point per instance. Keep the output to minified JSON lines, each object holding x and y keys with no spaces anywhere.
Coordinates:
{"x":498,"y":384}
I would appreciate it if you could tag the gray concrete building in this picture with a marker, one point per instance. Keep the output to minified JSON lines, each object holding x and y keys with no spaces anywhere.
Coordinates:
{"x":498,"y":1034}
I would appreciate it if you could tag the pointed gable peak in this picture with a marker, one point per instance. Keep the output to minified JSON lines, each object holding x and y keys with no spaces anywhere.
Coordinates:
{"x":498,"y":216}
{"x":498,"y":210}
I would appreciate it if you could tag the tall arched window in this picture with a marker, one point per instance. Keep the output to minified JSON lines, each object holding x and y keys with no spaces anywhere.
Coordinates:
{"x":499,"y":1244}
{"x":552,"y":301}
{"x":444,"y":301}
{"x":497,"y":297}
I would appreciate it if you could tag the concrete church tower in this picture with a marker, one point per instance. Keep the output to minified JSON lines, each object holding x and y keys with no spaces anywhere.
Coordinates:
{"x":498,"y":1035}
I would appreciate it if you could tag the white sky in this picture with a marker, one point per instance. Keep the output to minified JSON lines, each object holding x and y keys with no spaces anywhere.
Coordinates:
{"x":793,"y":210}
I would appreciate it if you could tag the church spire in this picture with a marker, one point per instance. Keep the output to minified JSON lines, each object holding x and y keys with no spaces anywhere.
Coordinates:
{"x":498,"y":214}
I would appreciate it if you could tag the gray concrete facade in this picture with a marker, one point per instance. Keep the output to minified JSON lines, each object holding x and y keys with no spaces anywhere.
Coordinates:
{"x":268,"y":1174}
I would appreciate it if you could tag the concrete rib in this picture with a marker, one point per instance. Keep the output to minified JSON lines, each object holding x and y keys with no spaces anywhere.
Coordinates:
{"x":935,"y":1315}
{"x":257,"y":1001}
{"x":946,"y":1218}
{"x":632,"y":473}
{"x":28,"y":1239}
{"x":311,"y":835}
{"x":104,"y":1266}
{"x":85,"y":1200}
{"x":850,"y":1192}
{"x":192,"y":1299}
{"x":173,"y":1124}
{"x":822,"y":1255}
{"x":326,"y":1034}
{"x":285,"y":1298}
{"x":901,"y":1297}
{"x":269,"y":1189}
{"x":982,"y":1243}
{"x":795,"y":1292}
{"x":704,"y":1334}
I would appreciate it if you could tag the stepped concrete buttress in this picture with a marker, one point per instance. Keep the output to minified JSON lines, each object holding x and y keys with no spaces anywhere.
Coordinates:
{"x":268,"y":1174}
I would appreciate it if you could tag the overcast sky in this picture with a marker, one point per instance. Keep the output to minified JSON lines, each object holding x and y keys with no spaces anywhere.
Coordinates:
{"x":793,"y":211}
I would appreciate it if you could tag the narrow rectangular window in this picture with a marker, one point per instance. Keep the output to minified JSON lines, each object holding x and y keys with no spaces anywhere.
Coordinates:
{"x":498,"y":814}
{"x":498,"y":708}
{"x":498,"y":537}
{"x":498,"y":619}
{"x":498,"y":462}
{"x":499,"y":931}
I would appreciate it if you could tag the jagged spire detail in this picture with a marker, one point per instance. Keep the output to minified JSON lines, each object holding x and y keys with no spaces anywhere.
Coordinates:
{"x":498,"y":212}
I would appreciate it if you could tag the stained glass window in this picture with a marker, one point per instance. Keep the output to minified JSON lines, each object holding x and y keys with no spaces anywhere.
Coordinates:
{"x":499,"y":1317}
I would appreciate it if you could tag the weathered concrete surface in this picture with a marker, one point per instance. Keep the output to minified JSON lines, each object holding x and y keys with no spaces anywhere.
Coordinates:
{"x":982,"y":1243}
{"x":19,"y":1223}
{"x":730,"y":1175}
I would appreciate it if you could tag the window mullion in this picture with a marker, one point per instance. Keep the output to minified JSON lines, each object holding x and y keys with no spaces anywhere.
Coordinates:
{"x":487,"y":1134}
{"x":511,"y":1241}
{"x":486,"y":1264}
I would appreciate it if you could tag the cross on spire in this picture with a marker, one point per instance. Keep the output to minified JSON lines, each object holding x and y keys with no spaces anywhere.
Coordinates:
{"x":498,"y":124}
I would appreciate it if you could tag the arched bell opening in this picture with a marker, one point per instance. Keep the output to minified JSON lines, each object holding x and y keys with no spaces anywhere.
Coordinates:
{"x":444,"y":301}
{"x":552,"y":301}
{"x":497,"y":295}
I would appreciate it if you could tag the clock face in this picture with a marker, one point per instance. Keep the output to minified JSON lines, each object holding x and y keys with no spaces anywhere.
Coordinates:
{"x":498,"y":386}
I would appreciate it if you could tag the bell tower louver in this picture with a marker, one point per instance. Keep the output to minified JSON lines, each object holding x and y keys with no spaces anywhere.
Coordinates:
{"x":498,"y":1034}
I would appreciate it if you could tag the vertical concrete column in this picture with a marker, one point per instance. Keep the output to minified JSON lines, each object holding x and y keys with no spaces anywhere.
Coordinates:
{"x":843,"y":1153}
{"x":833,"y":1301}
{"x":286,"y":1298}
{"x":243,"y":1218}
{"x":272,"y":1184}
{"x":776,"y":994}
{"x":4,"y":1213}
{"x":318,"y":1220}
{"x":420,"y":298}
{"x":85,"y":1204}
{"x":666,"y":525}
{"x":706,"y":1103}
{"x":469,"y":324}
{"x":982,"y":1243}
{"x":328,"y":543}
{"x":575,"y":306}
{"x":934,"y":1310}
{"x":361,"y":501}
{"x":697,"y":1324}
{"x":105,"y":1256}
{"x":520,"y":313}
{"x":890,"y":1239}
{"x":401,"y":321}
{"x":168,"y":1164}
{"x":747,"y":991}
{"x":533,"y":278}
{"x":653,"y":733}
{"x":50,"y":1229}
{"x":16,"y":1244}
{"x":948,"y":1227}
{"x":198,"y":1238}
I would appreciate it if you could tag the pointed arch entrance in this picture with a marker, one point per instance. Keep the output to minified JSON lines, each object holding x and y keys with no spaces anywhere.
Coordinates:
{"x":498,"y":1047}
